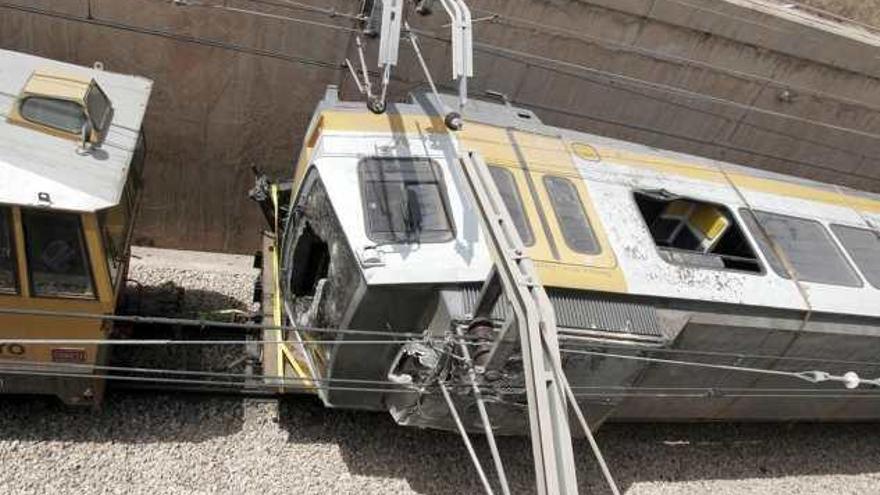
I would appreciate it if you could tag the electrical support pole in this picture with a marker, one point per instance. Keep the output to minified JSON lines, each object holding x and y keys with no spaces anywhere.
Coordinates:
{"x":535,"y":323}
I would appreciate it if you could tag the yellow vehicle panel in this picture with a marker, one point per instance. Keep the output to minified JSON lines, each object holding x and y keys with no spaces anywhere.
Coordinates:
{"x":34,"y":326}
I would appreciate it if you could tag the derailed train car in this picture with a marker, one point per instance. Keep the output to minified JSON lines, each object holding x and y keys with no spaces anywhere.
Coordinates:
{"x":645,"y":253}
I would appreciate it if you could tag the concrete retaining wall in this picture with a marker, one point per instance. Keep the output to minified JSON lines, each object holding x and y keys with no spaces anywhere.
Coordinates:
{"x":789,"y":92}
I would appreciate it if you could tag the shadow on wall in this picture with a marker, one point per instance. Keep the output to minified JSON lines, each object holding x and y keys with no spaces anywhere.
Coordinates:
{"x":373,"y":445}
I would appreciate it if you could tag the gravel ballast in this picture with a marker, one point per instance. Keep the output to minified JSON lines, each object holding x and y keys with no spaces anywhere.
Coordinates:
{"x":176,"y":443}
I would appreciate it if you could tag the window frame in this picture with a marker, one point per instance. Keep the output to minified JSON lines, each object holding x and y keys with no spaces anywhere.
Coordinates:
{"x":532,"y":240}
{"x":86,"y":252}
{"x":833,"y":227}
{"x":590,"y":228}
{"x":31,"y":121}
{"x":7,"y":212}
{"x":734,"y":216}
{"x":451,"y":235}
{"x":833,"y":241}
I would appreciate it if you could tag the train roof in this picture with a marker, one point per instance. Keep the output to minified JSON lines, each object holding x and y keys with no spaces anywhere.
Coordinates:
{"x":504,"y":115}
{"x":33,"y":162}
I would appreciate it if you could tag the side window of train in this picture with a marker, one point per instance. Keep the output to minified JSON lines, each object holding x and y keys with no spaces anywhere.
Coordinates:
{"x":570,"y":213}
{"x":115,"y":223}
{"x":57,"y":258}
{"x":404,"y":201}
{"x":696,"y":233}
{"x":506,"y":185}
{"x":8,"y":278}
{"x":807,"y":246}
{"x":863,"y":246}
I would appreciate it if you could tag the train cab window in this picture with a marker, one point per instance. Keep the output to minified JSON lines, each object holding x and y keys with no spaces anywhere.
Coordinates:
{"x":8,"y":278}
{"x":64,"y":115}
{"x":570,"y":213}
{"x":696,"y":233}
{"x":806,"y":245}
{"x":863,"y":246}
{"x":506,"y":185}
{"x":56,"y":255}
{"x":404,"y":201}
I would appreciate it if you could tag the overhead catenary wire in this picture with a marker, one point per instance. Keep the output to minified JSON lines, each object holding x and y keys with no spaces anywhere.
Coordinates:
{"x":188,"y":381}
{"x":849,"y":379}
{"x":698,"y":352}
{"x":497,"y":50}
{"x":189,"y":322}
{"x":25,"y":365}
{"x":203,"y":342}
{"x":514,"y":22}
{"x":691,"y":94}
{"x":293,"y":384}
{"x":96,"y":21}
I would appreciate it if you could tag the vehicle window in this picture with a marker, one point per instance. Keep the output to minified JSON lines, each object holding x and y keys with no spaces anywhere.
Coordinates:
{"x":863,"y":246}
{"x":115,"y":223}
{"x":506,"y":185}
{"x":56,"y":255}
{"x":8,"y":278}
{"x":806,"y":244}
{"x":99,"y":107}
{"x":404,"y":201}
{"x":570,"y":213}
{"x":65,"y":115}
{"x":696,"y":233}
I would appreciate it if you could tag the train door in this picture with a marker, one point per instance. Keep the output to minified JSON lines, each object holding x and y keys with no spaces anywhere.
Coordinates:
{"x":550,"y":205}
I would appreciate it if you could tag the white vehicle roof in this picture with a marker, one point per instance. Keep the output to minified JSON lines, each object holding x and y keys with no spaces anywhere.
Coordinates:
{"x":33,"y":162}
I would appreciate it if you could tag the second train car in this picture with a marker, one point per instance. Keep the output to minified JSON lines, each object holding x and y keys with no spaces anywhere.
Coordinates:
{"x":644,"y":252}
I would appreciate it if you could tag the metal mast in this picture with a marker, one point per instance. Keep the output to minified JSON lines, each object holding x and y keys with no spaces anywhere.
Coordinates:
{"x":535,"y":323}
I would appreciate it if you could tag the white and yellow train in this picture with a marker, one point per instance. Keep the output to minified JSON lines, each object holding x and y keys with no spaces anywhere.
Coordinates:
{"x":71,"y":165}
{"x":643,"y":252}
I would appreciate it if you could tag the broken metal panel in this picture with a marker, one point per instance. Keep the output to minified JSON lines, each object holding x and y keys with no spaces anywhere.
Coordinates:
{"x":320,"y":274}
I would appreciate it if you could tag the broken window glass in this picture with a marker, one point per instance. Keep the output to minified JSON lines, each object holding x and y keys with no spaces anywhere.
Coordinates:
{"x":64,"y":115}
{"x":56,"y":255}
{"x":696,"y":233}
{"x":404,"y":201}
{"x":863,"y":246}
{"x":807,"y":246}
{"x":8,"y":278}
{"x":506,"y":185}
